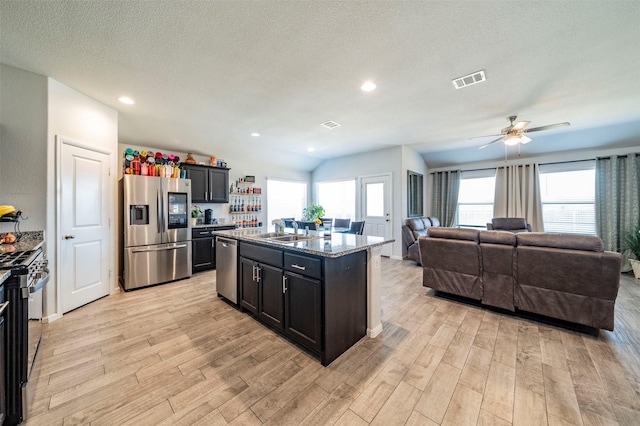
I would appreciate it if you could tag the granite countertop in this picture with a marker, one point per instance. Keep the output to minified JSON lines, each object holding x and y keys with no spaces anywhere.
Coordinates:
{"x":30,"y":240}
{"x":336,"y":246}
{"x":218,"y":225}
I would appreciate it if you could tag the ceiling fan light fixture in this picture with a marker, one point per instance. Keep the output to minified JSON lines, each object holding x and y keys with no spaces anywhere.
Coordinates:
{"x":513,"y":140}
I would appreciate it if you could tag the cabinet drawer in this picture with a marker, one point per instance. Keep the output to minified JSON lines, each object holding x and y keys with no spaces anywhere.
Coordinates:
{"x":202,"y":233}
{"x":266,"y":255}
{"x":305,"y":265}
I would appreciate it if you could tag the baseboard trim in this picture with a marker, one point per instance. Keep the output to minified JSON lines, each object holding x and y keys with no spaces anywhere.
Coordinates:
{"x":375,"y":331}
{"x":397,"y":257}
{"x":51,"y":318}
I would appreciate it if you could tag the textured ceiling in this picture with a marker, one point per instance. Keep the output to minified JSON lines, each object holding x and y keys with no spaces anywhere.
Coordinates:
{"x":206,"y":74}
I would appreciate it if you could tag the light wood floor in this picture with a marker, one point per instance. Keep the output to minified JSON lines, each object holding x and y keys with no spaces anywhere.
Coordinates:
{"x":176,"y":354}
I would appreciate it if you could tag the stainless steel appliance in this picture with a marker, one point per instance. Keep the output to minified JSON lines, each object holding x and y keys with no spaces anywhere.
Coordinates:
{"x":23,"y":289}
{"x":157,"y":230}
{"x":227,"y":268}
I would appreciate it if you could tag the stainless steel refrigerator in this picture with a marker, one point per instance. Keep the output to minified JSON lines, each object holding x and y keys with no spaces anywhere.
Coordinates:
{"x":157,"y":230}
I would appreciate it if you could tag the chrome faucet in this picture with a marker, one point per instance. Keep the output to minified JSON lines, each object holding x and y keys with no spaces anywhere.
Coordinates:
{"x":295,"y":227}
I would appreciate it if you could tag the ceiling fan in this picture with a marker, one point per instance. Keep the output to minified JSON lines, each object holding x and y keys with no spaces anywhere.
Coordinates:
{"x":514,"y":133}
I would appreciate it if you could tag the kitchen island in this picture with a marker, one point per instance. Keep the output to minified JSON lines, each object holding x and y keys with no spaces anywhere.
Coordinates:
{"x":322,"y":293}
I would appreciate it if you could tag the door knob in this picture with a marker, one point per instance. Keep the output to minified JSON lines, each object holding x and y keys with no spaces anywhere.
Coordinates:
{"x":69,"y":237}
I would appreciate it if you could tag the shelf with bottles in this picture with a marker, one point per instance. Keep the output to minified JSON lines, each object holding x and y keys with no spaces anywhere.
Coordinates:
{"x":244,"y":186}
{"x":246,"y":221}
{"x":239,"y":204}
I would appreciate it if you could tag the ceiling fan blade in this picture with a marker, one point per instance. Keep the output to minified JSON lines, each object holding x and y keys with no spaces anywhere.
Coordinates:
{"x":547,"y":127}
{"x":520,"y":125}
{"x":493,"y":141}
{"x":485,"y":136}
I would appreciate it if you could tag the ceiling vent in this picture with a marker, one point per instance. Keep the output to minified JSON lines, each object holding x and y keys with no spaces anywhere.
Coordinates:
{"x":468,"y":80}
{"x":330,"y":124}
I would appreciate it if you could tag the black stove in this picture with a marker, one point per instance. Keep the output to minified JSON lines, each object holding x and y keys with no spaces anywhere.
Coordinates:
{"x":23,"y":291}
{"x":16,"y":258}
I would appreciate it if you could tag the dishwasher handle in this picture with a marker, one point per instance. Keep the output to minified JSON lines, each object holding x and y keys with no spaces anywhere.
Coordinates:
{"x":225,"y":242}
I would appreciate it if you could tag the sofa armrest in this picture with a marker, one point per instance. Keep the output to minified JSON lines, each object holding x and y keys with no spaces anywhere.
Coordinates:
{"x":407,"y":236}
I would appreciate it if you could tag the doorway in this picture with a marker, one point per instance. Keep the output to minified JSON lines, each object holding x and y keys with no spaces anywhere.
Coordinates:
{"x":84,"y":221}
{"x":376,"y":207}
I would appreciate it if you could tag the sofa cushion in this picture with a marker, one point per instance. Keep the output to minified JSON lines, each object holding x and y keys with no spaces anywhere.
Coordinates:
{"x":454,"y":233}
{"x":498,"y":237}
{"x":509,"y":223}
{"x":434,"y":221}
{"x":418,"y":226}
{"x":562,"y":241}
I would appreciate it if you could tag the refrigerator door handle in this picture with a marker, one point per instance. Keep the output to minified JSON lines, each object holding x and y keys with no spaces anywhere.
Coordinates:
{"x":159,"y":206}
{"x":143,"y":250}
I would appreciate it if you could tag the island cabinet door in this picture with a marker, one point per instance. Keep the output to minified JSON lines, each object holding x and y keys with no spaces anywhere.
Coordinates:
{"x":249,"y":285}
{"x":303,"y":320}
{"x":271,"y":298}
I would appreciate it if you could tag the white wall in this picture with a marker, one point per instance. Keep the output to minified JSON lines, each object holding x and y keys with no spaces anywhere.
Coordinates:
{"x":78,"y":118}
{"x":23,"y":136}
{"x":387,"y":160}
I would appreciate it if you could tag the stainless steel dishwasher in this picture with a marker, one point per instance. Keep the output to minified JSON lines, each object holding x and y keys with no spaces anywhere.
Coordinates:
{"x":227,"y":268}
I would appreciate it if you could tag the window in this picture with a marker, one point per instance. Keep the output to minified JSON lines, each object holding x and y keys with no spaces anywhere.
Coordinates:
{"x":414,"y":194}
{"x":285,"y":199}
{"x":567,"y":191}
{"x":338,"y":198}
{"x":475,"y":198}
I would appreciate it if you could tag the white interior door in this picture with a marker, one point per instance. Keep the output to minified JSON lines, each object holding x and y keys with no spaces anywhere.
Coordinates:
{"x":84,"y":225}
{"x":376,"y":208}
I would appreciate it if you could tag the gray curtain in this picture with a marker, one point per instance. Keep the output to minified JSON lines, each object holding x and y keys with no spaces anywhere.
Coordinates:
{"x":617,"y":199}
{"x":518,"y":194}
{"x":444,"y":196}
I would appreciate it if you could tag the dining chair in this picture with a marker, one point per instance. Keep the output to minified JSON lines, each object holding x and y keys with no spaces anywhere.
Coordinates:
{"x":288,"y":221}
{"x":311,"y":225}
{"x":356,"y":228}
{"x":326,"y":220}
{"x":341,"y":223}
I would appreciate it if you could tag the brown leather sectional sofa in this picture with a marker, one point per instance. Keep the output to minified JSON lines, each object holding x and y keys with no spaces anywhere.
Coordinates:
{"x":413,"y":229}
{"x":563,"y":276}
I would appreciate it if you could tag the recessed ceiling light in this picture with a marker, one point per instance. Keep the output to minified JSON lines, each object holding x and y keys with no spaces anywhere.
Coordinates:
{"x":126,"y":100}
{"x":255,"y":135}
{"x":311,"y":149}
{"x":368,"y":86}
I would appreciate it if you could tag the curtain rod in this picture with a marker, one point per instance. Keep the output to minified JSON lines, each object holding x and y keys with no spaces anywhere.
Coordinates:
{"x":541,"y":164}
{"x":608,"y":157}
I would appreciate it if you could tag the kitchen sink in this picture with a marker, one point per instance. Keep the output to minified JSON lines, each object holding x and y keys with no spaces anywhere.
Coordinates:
{"x":268,"y":235}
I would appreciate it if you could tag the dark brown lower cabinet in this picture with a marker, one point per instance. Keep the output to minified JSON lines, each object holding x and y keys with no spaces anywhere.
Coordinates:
{"x":271,"y":306}
{"x":248,"y":286}
{"x":318,"y":302}
{"x":302,"y":310}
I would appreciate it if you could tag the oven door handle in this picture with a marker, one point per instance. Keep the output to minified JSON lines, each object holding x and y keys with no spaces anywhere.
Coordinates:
{"x":39,"y":285}
{"x":3,"y":307}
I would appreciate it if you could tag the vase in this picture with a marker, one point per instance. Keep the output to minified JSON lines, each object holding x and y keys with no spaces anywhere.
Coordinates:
{"x":194,"y":221}
{"x":635,"y":265}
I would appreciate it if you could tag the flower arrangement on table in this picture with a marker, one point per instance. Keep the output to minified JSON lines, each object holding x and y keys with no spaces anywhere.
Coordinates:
{"x":317,"y":221}
{"x":195,"y":211}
